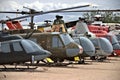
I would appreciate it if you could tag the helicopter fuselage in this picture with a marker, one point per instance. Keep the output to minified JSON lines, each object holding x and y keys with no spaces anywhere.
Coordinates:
{"x":21,"y":50}
{"x":61,"y":45}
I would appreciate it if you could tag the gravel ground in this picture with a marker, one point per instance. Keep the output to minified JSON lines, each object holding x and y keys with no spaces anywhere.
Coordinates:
{"x":108,"y":70}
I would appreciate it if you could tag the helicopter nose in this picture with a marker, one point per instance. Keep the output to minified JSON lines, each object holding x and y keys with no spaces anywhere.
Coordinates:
{"x":116,"y":48}
{"x":44,"y":54}
{"x":74,"y":51}
{"x":48,"y":54}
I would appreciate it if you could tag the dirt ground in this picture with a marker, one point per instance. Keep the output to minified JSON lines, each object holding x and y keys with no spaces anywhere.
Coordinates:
{"x":108,"y":70}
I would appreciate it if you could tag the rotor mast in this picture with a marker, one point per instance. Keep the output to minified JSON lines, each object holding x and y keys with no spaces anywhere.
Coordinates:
{"x":32,"y":11}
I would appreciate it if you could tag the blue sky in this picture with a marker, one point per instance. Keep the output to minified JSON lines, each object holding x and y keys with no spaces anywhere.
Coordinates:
{"x":46,"y":5}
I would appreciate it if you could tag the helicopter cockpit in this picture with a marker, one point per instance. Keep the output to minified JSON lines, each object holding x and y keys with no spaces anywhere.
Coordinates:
{"x":66,"y":38}
{"x":114,"y":41}
{"x":21,"y":50}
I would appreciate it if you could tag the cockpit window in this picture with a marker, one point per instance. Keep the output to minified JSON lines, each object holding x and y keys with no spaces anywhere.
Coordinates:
{"x":56,"y":42}
{"x":113,"y":39}
{"x":66,"y":38}
{"x":0,"y":46}
{"x":30,"y":46}
{"x":77,"y":40}
{"x":5,"y":47}
{"x":17,"y":46}
{"x":95,"y":42}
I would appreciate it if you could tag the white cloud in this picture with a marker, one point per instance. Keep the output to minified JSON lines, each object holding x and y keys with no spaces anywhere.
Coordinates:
{"x":13,"y":5}
{"x":46,"y":5}
{"x":9,"y":5}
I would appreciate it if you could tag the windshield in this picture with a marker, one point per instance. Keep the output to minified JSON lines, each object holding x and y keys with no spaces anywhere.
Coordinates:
{"x":30,"y":46}
{"x":86,"y":44}
{"x":113,"y":39}
{"x":66,"y":38}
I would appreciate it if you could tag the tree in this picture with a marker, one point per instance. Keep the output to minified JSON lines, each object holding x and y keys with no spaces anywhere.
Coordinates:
{"x":108,"y":17}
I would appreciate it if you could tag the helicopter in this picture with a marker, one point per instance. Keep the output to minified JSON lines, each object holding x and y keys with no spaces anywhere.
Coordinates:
{"x":15,"y":50}
{"x":103,"y":48}
{"x":61,"y":45}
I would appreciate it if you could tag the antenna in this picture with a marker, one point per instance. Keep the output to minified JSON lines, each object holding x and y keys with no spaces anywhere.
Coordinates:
{"x":17,"y":13}
{"x":8,"y":17}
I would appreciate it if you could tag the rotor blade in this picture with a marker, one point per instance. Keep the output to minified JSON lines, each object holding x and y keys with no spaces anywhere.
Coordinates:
{"x":9,"y":12}
{"x":117,"y":10}
{"x":23,"y":12}
{"x":52,"y":11}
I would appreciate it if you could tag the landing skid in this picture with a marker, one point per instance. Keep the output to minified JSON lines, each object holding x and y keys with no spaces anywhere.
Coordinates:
{"x":59,"y":64}
{"x":100,"y":59}
{"x":17,"y":69}
{"x":49,"y":64}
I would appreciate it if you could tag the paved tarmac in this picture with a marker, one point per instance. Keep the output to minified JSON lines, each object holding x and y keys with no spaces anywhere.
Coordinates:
{"x":108,"y":70}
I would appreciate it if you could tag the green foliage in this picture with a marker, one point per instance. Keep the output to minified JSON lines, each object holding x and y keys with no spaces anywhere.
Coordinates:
{"x":108,"y":17}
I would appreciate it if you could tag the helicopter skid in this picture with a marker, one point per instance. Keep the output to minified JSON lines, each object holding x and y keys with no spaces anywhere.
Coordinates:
{"x":50,"y":64}
{"x":60,"y":64}
{"x":15,"y":68}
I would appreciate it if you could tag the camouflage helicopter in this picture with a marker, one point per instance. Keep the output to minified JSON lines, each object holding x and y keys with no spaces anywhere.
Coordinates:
{"x":15,"y":50}
{"x":61,"y":45}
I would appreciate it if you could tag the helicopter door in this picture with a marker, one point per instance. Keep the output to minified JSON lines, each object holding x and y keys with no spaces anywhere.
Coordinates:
{"x":5,"y":53}
{"x":57,"y":47}
{"x":18,"y":51}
